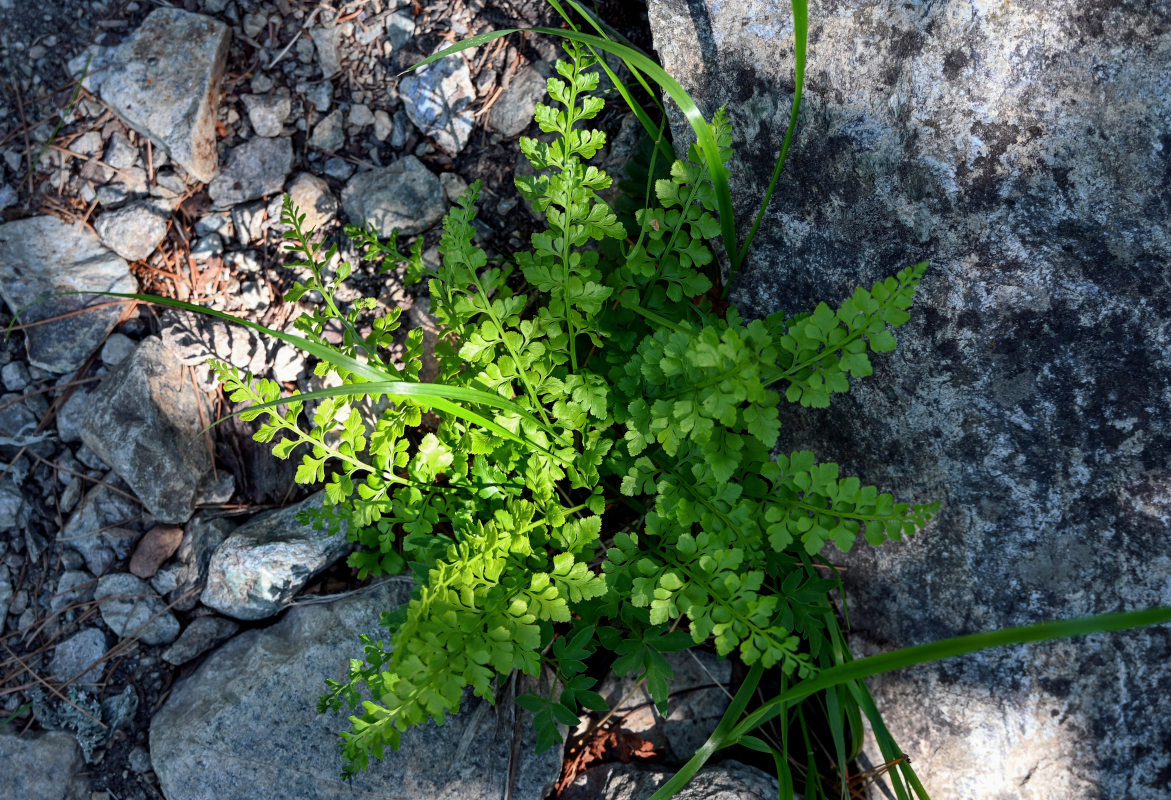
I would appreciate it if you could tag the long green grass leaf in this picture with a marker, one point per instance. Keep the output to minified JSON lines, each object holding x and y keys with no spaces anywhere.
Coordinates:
{"x":438,"y":396}
{"x":800,"y":36}
{"x":905,"y":657}
{"x":950,"y":648}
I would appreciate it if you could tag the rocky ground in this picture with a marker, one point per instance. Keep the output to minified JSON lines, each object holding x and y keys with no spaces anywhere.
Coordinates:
{"x":165,"y":622}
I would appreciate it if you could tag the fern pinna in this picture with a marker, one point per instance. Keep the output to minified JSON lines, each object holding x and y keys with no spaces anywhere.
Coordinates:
{"x":622,"y":491}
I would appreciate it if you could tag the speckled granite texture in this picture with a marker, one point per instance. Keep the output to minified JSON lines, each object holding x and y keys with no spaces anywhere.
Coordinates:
{"x":1025,"y":150}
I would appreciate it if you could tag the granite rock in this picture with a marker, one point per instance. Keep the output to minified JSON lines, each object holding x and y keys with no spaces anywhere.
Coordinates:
{"x":201,"y":635}
{"x":258,"y":569}
{"x":406,"y":196}
{"x":45,"y":766}
{"x":1026,"y":155}
{"x":165,"y":80}
{"x":246,"y":718}
{"x":144,"y":421}
{"x":329,"y":135}
{"x":43,"y":256}
{"x":438,"y":98}
{"x":267,"y":112}
{"x":312,"y":197}
{"x":97,"y":529}
{"x":254,"y":169}
{"x":133,"y":231}
{"x":73,"y":657}
{"x":513,"y":110}
{"x":131,"y":608}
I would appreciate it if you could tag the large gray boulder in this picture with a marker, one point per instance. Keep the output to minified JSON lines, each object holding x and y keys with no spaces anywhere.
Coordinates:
{"x":729,"y":780}
{"x":164,"y":80}
{"x":246,"y":718}
{"x":144,"y":420}
{"x":43,"y":263}
{"x":1024,"y":150}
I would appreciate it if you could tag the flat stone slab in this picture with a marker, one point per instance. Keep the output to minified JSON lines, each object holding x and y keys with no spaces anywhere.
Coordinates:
{"x":43,"y":256}
{"x":406,"y":196}
{"x":247,"y":718}
{"x":258,"y":569}
{"x":164,"y":81}
{"x":144,"y":421}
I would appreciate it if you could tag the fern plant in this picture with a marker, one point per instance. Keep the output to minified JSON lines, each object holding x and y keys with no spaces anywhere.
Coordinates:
{"x":615,"y":482}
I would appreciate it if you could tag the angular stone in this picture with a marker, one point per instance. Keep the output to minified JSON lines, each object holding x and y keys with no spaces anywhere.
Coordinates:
{"x":438,"y":98}
{"x":201,"y":635}
{"x":184,"y":579}
{"x":513,"y":110}
{"x":70,"y":415}
{"x":159,"y":544}
{"x":131,"y":608}
{"x":312,"y":197}
{"x":118,"y":348}
{"x":96,"y":529}
{"x":144,"y":421}
{"x":267,"y":560}
{"x":406,"y":196}
{"x":72,"y":658}
{"x":254,"y":169}
{"x":1029,"y":392}
{"x":267,"y":113}
{"x":164,"y":81}
{"x":212,"y":740}
{"x":133,"y":231}
{"x":44,"y":766}
{"x":729,"y":780}
{"x":325,"y":39}
{"x":42,"y":260}
{"x":329,"y":135}
{"x":74,"y":586}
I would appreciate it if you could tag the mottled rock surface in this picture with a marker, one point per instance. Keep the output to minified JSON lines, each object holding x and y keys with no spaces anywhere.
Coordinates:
{"x":254,"y":169}
{"x":201,"y":635}
{"x":247,"y":718}
{"x":131,"y":608}
{"x":406,"y":196}
{"x":730,"y":780}
{"x":1025,"y":153}
{"x":97,"y":529}
{"x":144,"y":421}
{"x":513,"y":110}
{"x":133,"y":231}
{"x":256,"y":571}
{"x":47,"y":766}
{"x":74,"y":656}
{"x":312,"y":197}
{"x":43,"y":256}
{"x":164,"y":81}
{"x":438,"y":98}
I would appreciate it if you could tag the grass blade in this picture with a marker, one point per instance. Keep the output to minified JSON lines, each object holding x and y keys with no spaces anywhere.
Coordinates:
{"x":949,"y":648}
{"x":440,"y":397}
{"x":801,"y":36}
